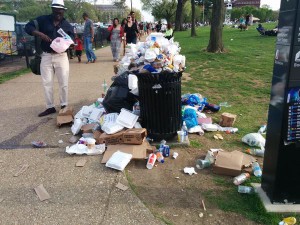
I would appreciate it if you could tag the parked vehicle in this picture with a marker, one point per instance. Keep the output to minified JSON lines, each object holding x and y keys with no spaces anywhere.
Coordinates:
{"x":7,"y":35}
{"x":25,"y":42}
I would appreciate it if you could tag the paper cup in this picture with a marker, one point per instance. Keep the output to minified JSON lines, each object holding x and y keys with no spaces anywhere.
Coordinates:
{"x":90,"y":142}
{"x":175,"y":154}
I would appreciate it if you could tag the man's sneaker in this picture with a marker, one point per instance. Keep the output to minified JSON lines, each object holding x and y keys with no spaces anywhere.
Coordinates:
{"x":47,"y":112}
{"x":62,"y":107}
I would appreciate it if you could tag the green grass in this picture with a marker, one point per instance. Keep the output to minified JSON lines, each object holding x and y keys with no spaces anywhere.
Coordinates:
{"x":11,"y":75}
{"x":248,"y":205}
{"x":242,"y":77}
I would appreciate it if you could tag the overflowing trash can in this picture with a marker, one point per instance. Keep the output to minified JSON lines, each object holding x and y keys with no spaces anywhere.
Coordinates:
{"x":160,"y":103}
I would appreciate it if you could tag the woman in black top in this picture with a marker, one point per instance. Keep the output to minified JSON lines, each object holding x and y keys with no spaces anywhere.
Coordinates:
{"x":131,"y":31}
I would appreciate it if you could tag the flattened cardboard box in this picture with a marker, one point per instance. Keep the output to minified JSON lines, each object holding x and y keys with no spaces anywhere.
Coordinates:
{"x":65,"y":116}
{"x":231,"y":163}
{"x":97,"y":135}
{"x":112,"y":139}
{"x":134,"y":136}
{"x":137,"y":151}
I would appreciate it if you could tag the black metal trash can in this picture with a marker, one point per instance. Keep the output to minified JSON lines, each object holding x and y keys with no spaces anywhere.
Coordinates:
{"x":160,"y":104}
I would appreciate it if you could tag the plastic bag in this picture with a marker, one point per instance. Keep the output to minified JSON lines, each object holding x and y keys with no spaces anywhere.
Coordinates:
{"x":150,"y":55}
{"x":254,"y":139}
{"x":190,"y":118}
{"x":60,"y":44}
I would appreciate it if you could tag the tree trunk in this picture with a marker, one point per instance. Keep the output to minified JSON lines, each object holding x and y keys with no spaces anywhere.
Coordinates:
{"x":193,"y":30}
{"x":179,"y":17}
{"x":216,"y":31}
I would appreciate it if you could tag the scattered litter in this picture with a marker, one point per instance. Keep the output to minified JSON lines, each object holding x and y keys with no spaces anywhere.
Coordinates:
{"x":80,"y":149}
{"x":189,"y":170}
{"x":224,"y":104}
{"x":245,"y":190}
{"x":255,"y":152}
{"x":254,"y":139}
{"x":73,"y":139}
{"x":81,"y":163}
{"x":121,"y":186}
{"x":227,"y":119}
{"x":256,"y":169}
{"x":176,"y":177}
{"x":151,"y":161}
{"x":60,"y":141}
{"x":175,"y":215}
{"x":241,"y":178}
{"x":42,"y":193}
{"x":22,"y":170}
{"x":200,"y":215}
{"x":262,"y":129}
{"x":210,"y":215}
{"x":288,"y":221}
{"x":175,"y":155}
{"x":126,"y":118}
{"x":67,"y":133}
{"x":38,"y":144}
{"x":203,"y":204}
{"x":119,"y":160}
{"x":201,"y":164}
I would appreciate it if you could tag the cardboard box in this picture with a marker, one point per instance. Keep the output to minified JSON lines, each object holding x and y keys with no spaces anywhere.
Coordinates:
{"x":97,"y":135}
{"x":227,"y":119}
{"x":65,"y":116}
{"x":88,"y":128}
{"x":134,"y":136}
{"x":112,"y":139}
{"x":137,"y":151}
{"x":231,"y":163}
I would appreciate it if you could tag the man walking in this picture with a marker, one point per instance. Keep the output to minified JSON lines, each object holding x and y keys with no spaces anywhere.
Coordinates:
{"x":88,"y":35}
{"x":52,"y":62}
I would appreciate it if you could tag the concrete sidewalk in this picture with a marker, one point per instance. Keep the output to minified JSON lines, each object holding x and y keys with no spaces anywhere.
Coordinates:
{"x":78,"y":195}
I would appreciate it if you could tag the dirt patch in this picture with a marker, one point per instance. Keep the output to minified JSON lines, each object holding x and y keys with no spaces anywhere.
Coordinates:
{"x":176,"y":197}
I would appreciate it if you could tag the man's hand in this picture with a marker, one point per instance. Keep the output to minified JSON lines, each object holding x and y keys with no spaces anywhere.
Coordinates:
{"x":92,"y":39}
{"x":43,"y":36}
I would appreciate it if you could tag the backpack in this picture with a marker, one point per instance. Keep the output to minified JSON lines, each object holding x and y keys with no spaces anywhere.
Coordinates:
{"x":35,"y":63}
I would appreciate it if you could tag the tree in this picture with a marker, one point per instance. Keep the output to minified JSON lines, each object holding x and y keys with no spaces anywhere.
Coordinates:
{"x":165,"y":10}
{"x":193,"y":30}
{"x":179,"y":17}
{"x":216,"y":41}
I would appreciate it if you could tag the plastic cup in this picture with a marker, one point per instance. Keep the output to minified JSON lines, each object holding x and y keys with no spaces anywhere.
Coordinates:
{"x":180,"y":136}
{"x":175,"y":154}
{"x":90,"y":142}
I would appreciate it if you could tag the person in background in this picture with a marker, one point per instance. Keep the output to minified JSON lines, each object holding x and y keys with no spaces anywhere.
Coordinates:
{"x":124,"y":22}
{"x":78,"y":47}
{"x":158,"y":26}
{"x":169,"y":31}
{"x":88,"y":38}
{"x":53,"y":63}
{"x":131,"y":31}
{"x":116,"y":37}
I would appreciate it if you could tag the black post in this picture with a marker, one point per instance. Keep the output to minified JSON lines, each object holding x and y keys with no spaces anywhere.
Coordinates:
{"x":281,"y":172}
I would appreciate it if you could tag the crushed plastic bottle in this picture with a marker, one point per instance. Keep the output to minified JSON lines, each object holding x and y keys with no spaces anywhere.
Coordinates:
{"x":184,"y":129}
{"x":241,"y":178}
{"x":245,"y":189}
{"x":160,"y":157}
{"x":224,"y":104}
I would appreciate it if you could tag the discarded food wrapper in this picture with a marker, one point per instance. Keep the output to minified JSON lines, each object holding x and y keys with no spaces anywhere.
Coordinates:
{"x":80,"y":149}
{"x":189,"y":170}
{"x":254,"y":139}
{"x":175,"y":155}
{"x":119,"y":160}
{"x":42,"y":193}
{"x":196,"y":129}
{"x":81,"y":163}
{"x":288,"y":221}
{"x":126,"y":118}
{"x":22,"y":170}
{"x":121,"y":186}
{"x":96,"y":114}
{"x":76,"y":126}
{"x":38,"y":144}
{"x":209,"y":127}
{"x":110,"y":125}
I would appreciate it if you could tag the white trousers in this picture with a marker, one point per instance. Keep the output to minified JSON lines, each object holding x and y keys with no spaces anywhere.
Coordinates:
{"x":58,"y":65}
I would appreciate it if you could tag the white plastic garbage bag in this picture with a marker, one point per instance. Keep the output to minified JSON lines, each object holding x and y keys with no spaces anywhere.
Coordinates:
{"x":254,"y":139}
{"x":76,"y":126}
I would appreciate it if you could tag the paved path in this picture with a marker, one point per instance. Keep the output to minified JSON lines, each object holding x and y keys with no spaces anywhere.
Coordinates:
{"x":78,"y":195}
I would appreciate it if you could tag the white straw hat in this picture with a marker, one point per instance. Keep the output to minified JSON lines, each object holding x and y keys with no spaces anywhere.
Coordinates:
{"x":58,"y":4}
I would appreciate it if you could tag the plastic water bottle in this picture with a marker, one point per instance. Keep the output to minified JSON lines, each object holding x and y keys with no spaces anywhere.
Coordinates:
{"x":185,"y":130}
{"x":256,"y":169}
{"x":162,"y":145}
{"x":262,"y":129}
{"x":245,"y":189}
{"x":256,"y":152}
{"x":241,"y":178}
{"x":160,"y":157}
{"x":104,"y":85}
